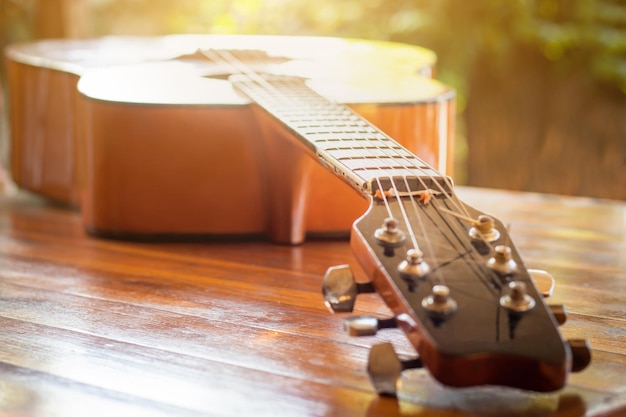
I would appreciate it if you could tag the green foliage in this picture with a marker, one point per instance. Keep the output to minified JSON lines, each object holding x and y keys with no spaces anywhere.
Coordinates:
{"x":15,"y":17}
{"x":587,"y":33}
{"x":581,"y":32}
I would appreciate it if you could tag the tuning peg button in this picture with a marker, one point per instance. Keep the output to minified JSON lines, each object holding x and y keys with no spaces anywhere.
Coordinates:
{"x":517,"y":301}
{"x":581,"y":354}
{"x":367,"y":325}
{"x":543,"y":281}
{"x":385,"y":368}
{"x":559,"y":313}
{"x":389,"y":236}
{"x":484,"y":229}
{"x":340,"y":289}
{"x":414,"y":267}
{"x":439,"y":303}
{"x":502,"y":262}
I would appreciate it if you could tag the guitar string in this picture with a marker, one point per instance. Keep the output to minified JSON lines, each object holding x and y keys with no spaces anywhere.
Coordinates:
{"x":461,"y":253}
{"x":473,"y":252}
{"x":380,"y":187}
{"x":387,"y":206}
{"x":377,"y":178}
{"x":406,"y":217}
{"x":228,"y":58}
{"x":401,"y":205}
{"x":470,"y":250}
{"x":255,"y":78}
{"x":476,"y":257}
{"x":433,"y":258}
{"x":398,"y":197}
{"x":233,"y":61}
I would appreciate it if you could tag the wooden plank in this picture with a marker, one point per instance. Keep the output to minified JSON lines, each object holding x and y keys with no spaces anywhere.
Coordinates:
{"x":239,"y":328}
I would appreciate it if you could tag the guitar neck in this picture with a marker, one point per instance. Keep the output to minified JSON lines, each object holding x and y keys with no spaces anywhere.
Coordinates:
{"x":345,"y":143}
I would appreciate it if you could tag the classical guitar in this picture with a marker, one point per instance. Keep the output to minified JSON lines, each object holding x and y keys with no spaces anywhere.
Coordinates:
{"x":169,"y":150}
{"x":450,"y":274}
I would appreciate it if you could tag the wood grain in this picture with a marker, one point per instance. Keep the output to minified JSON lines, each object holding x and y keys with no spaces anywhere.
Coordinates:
{"x":103,"y":327}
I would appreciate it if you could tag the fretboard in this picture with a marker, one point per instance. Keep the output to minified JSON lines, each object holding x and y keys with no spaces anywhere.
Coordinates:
{"x":345,"y":143}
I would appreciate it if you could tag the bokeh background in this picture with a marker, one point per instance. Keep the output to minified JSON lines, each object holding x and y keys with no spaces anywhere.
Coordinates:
{"x":541,"y":84}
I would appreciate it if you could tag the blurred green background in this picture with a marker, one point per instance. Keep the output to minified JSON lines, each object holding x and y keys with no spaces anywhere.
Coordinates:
{"x":541,"y":84}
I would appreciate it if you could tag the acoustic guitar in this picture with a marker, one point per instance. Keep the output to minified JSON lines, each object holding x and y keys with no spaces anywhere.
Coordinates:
{"x":169,"y":150}
{"x":450,"y":274}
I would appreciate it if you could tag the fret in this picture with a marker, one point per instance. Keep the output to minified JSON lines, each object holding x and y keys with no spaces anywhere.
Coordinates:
{"x":356,"y":139}
{"x":325,"y":122}
{"x":429,"y":179}
{"x":329,"y":112}
{"x":332,"y":126}
{"x":353,"y":141}
{"x":370,"y":174}
{"x":380,"y":163}
{"x":320,"y":115}
{"x":355,"y":153}
{"x":345,"y":143}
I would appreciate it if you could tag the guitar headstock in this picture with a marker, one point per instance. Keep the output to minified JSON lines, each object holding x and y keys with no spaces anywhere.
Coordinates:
{"x":461,"y":292}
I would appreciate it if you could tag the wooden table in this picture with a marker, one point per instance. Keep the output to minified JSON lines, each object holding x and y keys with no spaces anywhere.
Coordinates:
{"x":97,"y":327}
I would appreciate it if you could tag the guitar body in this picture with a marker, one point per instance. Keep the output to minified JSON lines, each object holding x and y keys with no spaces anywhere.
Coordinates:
{"x":166,"y":165}
{"x":46,"y":110}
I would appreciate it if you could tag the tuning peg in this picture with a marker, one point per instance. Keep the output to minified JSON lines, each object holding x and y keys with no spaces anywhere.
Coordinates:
{"x":414,"y":267}
{"x":502,"y":262}
{"x":439,"y":304}
{"x":517,"y":300}
{"x":543,"y":281}
{"x":389,"y":236}
{"x":484,"y":229}
{"x":559,"y":313}
{"x":385,"y":368}
{"x":340,"y":289}
{"x":367,"y":325}
{"x":581,"y":354}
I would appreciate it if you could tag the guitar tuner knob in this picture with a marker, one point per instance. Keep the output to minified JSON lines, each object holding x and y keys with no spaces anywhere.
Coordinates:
{"x":385,"y":368}
{"x":559,"y":313}
{"x":484,"y":229}
{"x":517,"y":301}
{"x":439,"y":303}
{"x":414,"y":266}
{"x":367,"y":325}
{"x":389,"y":236}
{"x":340,"y":289}
{"x":502,"y":262}
{"x":543,"y":281}
{"x":581,"y":354}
